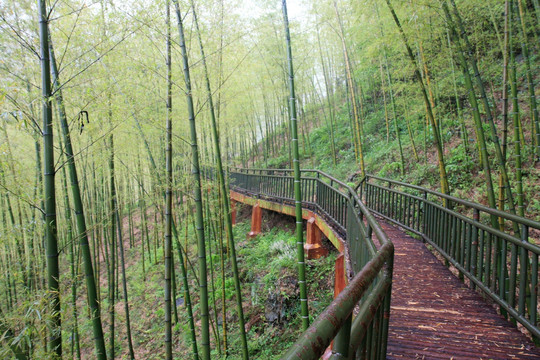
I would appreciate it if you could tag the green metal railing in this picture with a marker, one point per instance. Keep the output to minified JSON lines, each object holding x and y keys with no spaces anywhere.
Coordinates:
{"x":502,"y":261}
{"x":368,"y":293}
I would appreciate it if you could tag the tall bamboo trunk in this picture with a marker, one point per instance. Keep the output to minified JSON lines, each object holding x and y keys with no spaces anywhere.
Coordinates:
{"x":297,"y":189}
{"x":112,"y":247}
{"x":225,"y":197}
{"x":409,"y":130}
{"x":76,"y":348}
{"x":476,"y":114}
{"x":384,"y":103}
{"x":211,"y":226}
{"x":168,"y":198}
{"x":358,"y":121}
{"x":329,"y":100}
{"x":197,"y":192}
{"x":458,"y":105}
{"x":427,"y":78}
{"x":124,"y":280}
{"x":480,"y":84}
{"x":515,"y":114}
{"x":15,"y":212}
{"x":440,"y":155}
{"x":505,"y":50}
{"x":51,"y":238}
{"x":187,"y":296}
{"x":82,"y":233}
{"x":535,"y":122}
{"x":394,"y":113}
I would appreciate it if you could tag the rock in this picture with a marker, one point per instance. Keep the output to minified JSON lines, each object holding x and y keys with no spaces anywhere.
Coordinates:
{"x":271,"y":316}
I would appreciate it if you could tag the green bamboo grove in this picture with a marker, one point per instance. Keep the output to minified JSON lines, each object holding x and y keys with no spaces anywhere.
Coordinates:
{"x":121,"y":121}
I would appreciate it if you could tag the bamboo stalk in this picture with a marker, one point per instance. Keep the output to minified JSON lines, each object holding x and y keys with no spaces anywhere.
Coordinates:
{"x":358,"y":123}
{"x":197,"y":192}
{"x":515,"y":113}
{"x":51,"y":237}
{"x":225,"y":197}
{"x":492,"y":127}
{"x":329,"y":100}
{"x":440,"y":155}
{"x":535,"y":122}
{"x":297,"y":189}
{"x":168,"y":196}
{"x":476,"y":113}
{"x":72,"y":262}
{"x":124,"y":281}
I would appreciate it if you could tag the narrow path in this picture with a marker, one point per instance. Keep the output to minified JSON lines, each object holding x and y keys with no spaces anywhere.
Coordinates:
{"x":435,"y":316}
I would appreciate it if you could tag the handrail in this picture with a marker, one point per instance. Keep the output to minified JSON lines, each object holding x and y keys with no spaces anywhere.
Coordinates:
{"x":329,"y":177}
{"x":501,"y":264}
{"x":372,"y":264}
{"x":498,"y":213}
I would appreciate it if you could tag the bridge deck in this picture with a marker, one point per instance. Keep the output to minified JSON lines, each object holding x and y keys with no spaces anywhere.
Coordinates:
{"x":435,"y":316}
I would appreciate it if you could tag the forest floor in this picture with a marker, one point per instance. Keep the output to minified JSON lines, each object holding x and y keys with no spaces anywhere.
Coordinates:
{"x":270,"y":291}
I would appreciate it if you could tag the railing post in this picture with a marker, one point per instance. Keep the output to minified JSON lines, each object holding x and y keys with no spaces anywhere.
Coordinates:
{"x":476,"y":215}
{"x":340,"y":349}
{"x":259,"y":185}
{"x":523,"y":287}
{"x":386,"y":307}
{"x":474,"y":246}
{"x":422,"y":211}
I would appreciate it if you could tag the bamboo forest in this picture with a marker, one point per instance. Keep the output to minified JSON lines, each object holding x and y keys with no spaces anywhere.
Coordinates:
{"x":269,"y":179}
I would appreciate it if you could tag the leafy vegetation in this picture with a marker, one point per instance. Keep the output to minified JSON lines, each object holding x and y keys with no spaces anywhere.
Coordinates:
{"x":113,"y":115}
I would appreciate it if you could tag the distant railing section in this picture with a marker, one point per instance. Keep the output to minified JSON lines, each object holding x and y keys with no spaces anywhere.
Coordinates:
{"x":369,"y":290}
{"x":502,"y":261}
{"x":324,"y":193}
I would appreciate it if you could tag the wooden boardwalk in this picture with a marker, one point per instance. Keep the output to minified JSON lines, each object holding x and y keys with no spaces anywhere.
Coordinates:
{"x":435,"y":316}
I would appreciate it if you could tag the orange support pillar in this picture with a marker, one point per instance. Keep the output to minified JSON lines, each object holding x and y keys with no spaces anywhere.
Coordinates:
{"x":340,"y":280}
{"x":233,"y":212}
{"x":256,"y":221}
{"x":313,"y":246}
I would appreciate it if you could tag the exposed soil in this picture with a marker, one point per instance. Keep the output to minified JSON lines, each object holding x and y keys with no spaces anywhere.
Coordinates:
{"x":273,"y":219}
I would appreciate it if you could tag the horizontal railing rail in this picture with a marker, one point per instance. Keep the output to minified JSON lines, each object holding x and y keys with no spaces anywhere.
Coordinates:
{"x":502,"y":261}
{"x":480,"y":212}
{"x":372,"y":262}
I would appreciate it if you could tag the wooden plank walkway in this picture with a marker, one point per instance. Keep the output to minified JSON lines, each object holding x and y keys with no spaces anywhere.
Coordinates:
{"x":435,"y":316}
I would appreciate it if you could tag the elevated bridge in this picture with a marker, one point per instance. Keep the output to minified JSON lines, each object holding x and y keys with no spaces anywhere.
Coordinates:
{"x":458,"y":289}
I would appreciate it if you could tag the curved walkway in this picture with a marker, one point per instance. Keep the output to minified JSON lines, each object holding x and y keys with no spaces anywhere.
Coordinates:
{"x":435,"y":316}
